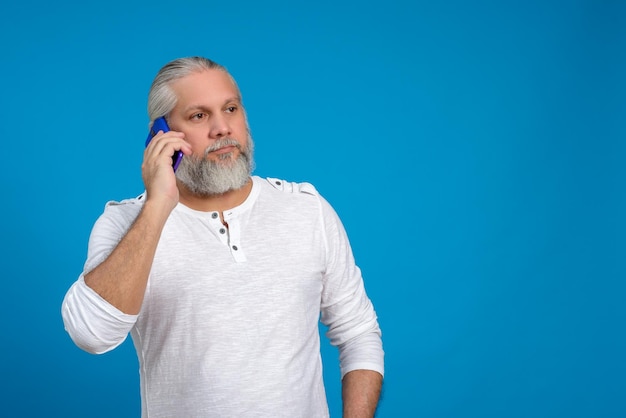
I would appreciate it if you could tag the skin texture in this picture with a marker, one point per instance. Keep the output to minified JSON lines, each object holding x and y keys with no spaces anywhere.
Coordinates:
{"x":208,"y":108}
{"x":360,"y":393}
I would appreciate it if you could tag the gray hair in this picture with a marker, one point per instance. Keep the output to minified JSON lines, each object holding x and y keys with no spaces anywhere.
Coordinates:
{"x":161,"y":98}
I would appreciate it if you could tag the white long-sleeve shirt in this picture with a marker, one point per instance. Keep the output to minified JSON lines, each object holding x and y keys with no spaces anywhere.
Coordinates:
{"x":229,"y":321}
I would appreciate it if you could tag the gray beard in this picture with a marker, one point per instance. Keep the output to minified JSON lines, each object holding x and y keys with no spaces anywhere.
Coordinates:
{"x":204,"y":177}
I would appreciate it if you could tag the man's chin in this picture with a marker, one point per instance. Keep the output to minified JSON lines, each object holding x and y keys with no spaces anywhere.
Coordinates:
{"x":224,"y":159}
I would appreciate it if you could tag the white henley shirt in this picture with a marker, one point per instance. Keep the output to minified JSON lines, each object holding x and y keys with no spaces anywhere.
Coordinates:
{"x":229,"y":321}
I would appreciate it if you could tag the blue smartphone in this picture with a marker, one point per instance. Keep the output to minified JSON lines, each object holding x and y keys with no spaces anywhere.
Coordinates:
{"x":161,"y":125}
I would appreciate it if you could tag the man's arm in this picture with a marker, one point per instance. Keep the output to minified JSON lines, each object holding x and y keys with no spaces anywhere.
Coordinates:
{"x":122,"y":278}
{"x":360,"y":393}
{"x":352,"y":323}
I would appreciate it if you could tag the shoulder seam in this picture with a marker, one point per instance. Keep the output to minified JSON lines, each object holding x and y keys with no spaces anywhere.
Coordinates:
{"x":292,"y":187}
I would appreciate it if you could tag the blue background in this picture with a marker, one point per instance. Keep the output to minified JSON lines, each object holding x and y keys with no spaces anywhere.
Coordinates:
{"x":474,"y":150}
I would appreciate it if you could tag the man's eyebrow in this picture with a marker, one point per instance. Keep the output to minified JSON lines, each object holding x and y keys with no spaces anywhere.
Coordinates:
{"x":234,"y":99}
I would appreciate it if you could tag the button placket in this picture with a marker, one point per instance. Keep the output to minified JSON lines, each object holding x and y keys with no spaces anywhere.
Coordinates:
{"x":234,"y":232}
{"x":216,"y":225}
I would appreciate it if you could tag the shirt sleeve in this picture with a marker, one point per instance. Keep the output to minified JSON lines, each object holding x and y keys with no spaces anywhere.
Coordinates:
{"x":346,"y":309}
{"x":94,"y":324}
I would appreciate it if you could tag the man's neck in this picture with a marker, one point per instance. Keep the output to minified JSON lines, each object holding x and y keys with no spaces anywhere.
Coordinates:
{"x":213,"y":203}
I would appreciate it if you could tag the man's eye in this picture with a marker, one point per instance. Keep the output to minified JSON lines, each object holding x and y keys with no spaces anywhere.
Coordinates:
{"x":197,"y":116}
{"x":231,"y":109}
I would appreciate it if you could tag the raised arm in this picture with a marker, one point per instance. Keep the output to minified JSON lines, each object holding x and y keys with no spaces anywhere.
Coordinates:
{"x":122,"y":277}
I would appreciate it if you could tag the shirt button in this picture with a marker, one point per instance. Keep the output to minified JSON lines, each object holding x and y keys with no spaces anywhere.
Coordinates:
{"x":222,"y":231}
{"x":214,"y":215}
{"x":235,"y":247}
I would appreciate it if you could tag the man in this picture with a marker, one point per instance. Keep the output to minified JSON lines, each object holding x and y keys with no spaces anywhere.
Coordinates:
{"x":220,"y":276}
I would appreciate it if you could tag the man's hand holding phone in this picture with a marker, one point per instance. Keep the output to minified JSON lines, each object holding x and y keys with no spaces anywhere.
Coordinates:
{"x":164,"y":151}
{"x":160,"y":124}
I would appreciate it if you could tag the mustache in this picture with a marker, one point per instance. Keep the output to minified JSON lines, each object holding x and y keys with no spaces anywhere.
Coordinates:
{"x":221,"y":143}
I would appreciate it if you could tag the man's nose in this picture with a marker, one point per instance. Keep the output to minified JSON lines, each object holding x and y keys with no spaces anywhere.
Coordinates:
{"x":219,"y":127}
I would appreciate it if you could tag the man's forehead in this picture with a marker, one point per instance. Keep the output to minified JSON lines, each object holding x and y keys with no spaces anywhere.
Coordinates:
{"x":213,"y":85}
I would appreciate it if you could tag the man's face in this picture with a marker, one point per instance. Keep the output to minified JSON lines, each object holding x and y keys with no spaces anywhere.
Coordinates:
{"x":210,"y":113}
{"x":209,"y":108}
